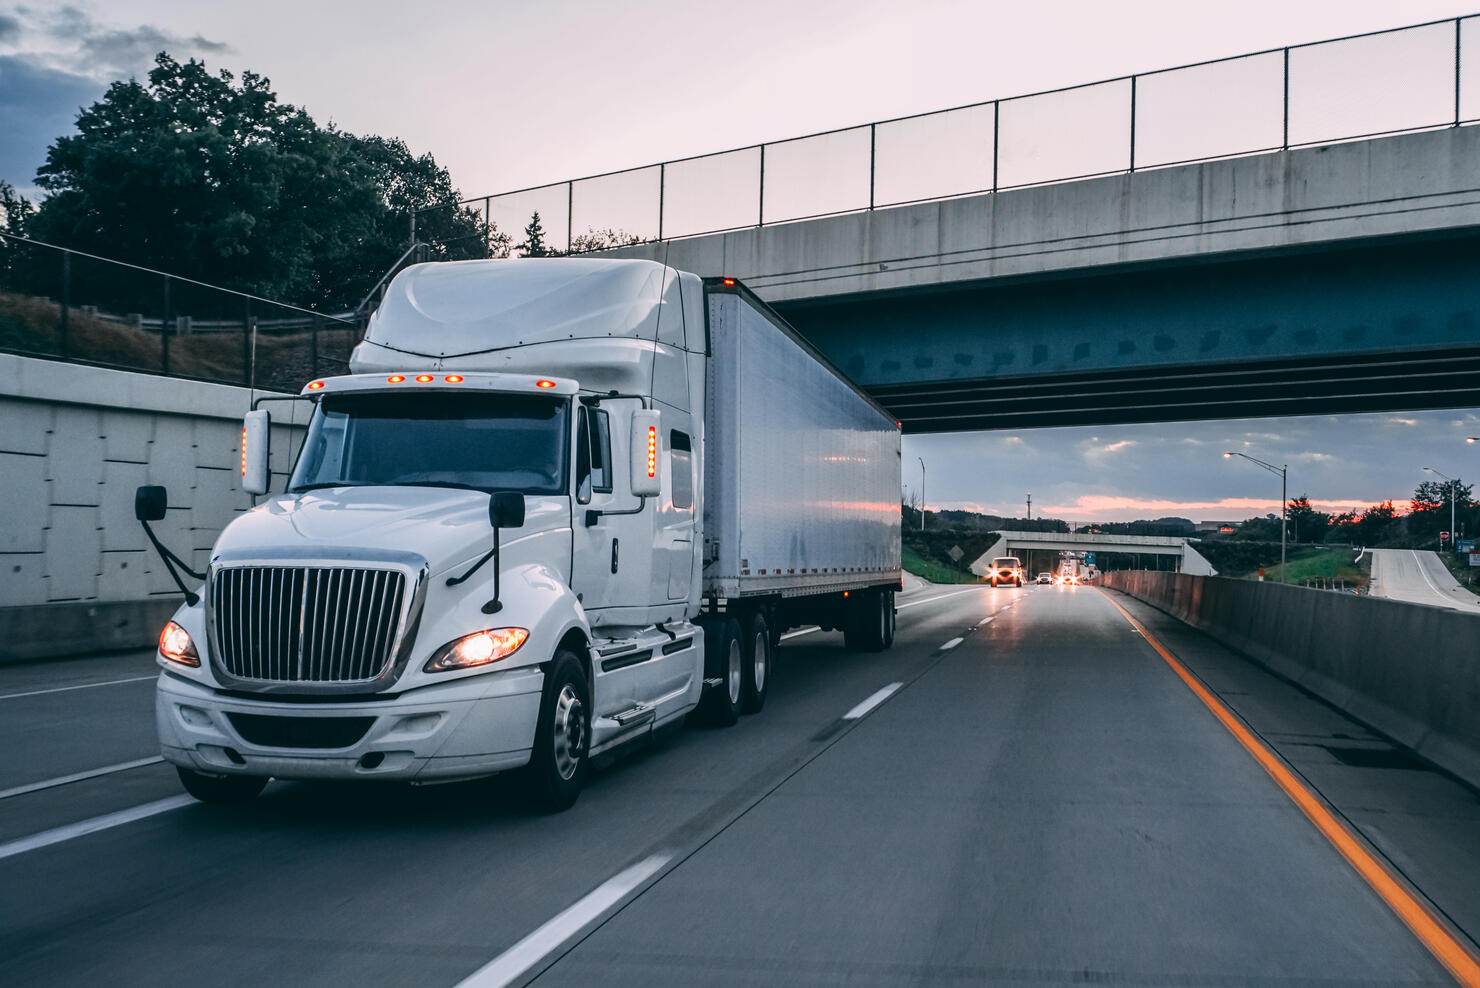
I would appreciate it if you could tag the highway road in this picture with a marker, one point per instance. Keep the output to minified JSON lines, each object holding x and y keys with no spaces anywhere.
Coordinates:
{"x":1023,"y":791}
{"x":1418,"y":577}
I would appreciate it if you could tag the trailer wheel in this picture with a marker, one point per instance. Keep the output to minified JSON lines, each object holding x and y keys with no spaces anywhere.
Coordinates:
{"x":221,"y":788}
{"x":867,"y":628}
{"x":562,"y":738}
{"x":724,"y":658}
{"x":889,"y":615}
{"x":757,"y":662}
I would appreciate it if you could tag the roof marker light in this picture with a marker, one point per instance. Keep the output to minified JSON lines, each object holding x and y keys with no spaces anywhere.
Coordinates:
{"x":315,"y":385}
{"x":423,"y":379}
{"x":395,"y":379}
{"x":544,"y":384}
{"x":728,"y":282}
{"x":453,"y":378}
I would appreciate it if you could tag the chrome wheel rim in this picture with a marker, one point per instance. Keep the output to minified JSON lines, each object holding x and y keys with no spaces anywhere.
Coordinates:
{"x":736,"y":665}
{"x":759,"y":647}
{"x":570,"y":731}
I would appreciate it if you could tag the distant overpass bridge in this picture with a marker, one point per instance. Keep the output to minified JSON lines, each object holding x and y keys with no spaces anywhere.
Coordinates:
{"x":1071,"y":267}
{"x":1189,"y":560}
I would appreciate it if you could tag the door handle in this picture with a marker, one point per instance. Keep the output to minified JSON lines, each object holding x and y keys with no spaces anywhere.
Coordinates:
{"x":614,"y":555}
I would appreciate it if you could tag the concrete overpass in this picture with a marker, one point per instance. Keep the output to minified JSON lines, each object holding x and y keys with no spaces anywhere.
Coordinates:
{"x":1016,"y":543}
{"x":1327,"y":279}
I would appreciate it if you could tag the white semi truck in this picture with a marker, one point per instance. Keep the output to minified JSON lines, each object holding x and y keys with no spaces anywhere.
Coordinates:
{"x":555,"y":506}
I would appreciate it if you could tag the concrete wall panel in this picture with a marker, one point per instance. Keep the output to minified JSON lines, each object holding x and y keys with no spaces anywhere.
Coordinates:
{"x":27,"y":427}
{"x":74,"y":463}
{"x":72,"y":554}
{"x":25,"y":491}
{"x":127,"y":438}
{"x":22,"y":578}
{"x":120,"y":530}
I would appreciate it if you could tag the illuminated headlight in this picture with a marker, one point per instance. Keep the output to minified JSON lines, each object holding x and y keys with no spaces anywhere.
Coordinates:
{"x":478,"y":649}
{"x":175,"y":645}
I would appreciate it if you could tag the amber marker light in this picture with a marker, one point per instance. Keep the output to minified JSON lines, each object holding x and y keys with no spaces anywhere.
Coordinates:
{"x":315,"y":385}
{"x":544,"y":384}
{"x":728,"y":282}
{"x":453,"y":378}
{"x":244,"y":451}
{"x":652,"y":451}
{"x":176,"y":646}
{"x":424,"y":379}
{"x":395,"y":379}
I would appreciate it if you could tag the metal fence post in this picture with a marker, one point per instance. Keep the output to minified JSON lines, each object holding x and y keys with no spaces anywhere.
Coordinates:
{"x":313,"y":363}
{"x":996,"y":136}
{"x":570,"y":214}
{"x":1457,"y":21}
{"x":873,"y":144}
{"x":1285,"y":138}
{"x":164,"y":330}
{"x":1133,"y":123}
{"x":760,"y":219}
{"x":662,"y":183}
{"x":66,"y":302}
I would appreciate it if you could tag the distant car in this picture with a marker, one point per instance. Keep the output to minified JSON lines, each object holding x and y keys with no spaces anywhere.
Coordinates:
{"x":1007,"y":569}
{"x":1045,"y":578}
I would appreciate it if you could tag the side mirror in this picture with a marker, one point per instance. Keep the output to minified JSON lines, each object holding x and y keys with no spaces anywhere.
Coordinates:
{"x":255,"y":478}
{"x":150,"y":503}
{"x":506,"y":509}
{"x":647,"y":452}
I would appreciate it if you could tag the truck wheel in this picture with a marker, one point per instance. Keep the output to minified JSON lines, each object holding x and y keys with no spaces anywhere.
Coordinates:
{"x":756,"y":661}
{"x":868,"y":619}
{"x":724,"y":653}
{"x":557,"y":767}
{"x":889,"y":615}
{"x":221,"y":788}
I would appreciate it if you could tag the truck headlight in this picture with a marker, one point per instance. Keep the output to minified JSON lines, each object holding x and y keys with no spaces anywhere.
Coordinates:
{"x":477,"y":649}
{"x":175,"y":645}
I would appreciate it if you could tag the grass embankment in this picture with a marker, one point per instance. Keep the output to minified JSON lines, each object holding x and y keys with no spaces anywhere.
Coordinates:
{"x":1322,"y":566}
{"x":1467,"y":575}
{"x":932,"y":570}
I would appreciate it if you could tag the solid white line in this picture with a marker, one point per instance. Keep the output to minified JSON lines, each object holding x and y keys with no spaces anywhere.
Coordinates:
{"x":951,"y":644}
{"x":84,"y":686}
{"x":106,"y":822}
{"x":1419,"y":563}
{"x":794,"y":634}
{"x":518,"y":959}
{"x":872,"y":702}
{"x":78,"y":776}
{"x":927,"y":600}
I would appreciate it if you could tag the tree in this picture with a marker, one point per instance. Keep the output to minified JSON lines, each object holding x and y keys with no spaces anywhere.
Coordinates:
{"x":15,"y":216}
{"x":1307,"y":524}
{"x":203,"y":176}
{"x":603,"y":240}
{"x":1376,"y":523}
{"x":534,"y":239}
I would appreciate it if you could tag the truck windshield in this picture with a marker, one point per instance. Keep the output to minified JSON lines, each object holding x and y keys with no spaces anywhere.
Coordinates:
{"x":487,"y":442}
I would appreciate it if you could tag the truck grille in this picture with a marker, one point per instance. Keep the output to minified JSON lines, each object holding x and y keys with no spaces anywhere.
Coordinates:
{"x":306,"y":624}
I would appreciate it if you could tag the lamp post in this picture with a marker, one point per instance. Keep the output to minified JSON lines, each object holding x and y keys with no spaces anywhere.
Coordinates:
{"x":1283,"y":471}
{"x":1452,"y":536}
{"x":922,"y":492}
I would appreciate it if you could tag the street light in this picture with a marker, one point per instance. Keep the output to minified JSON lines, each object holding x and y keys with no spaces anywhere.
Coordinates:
{"x":922,"y":492}
{"x":1436,"y":473}
{"x":1283,"y":472}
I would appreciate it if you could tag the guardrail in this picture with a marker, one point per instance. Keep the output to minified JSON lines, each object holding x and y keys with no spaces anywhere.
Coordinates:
{"x":66,"y":305}
{"x":1408,"y":670}
{"x":1418,"y":77}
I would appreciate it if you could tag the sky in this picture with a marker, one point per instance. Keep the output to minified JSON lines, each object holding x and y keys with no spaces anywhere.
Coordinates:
{"x":508,"y":95}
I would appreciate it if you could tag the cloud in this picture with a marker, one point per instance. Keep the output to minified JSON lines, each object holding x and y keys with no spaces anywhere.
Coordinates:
{"x":38,"y":105}
{"x":10,"y":29}
{"x":1121,"y":508}
{"x":1394,"y":420}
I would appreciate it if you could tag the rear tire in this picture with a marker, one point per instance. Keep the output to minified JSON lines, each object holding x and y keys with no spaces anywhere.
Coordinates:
{"x":889,"y":618}
{"x":221,"y":788}
{"x":724,"y":657}
{"x":757,"y":659}
{"x":868,"y":620}
{"x":556,"y":771}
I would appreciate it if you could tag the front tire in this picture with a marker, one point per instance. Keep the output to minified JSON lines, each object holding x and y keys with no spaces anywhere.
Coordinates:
{"x":221,"y":788}
{"x":556,"y":771}
{"x":724,"y":658}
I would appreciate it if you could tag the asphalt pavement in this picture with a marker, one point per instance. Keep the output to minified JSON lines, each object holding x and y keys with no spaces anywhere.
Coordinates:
{"x":1021,"y":791}
{"x":1418,"y":577}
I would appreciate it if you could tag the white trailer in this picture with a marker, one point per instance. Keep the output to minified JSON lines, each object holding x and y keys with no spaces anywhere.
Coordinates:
{"x":557,"y":505}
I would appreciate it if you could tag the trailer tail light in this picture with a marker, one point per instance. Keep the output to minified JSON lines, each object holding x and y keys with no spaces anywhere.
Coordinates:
{"x":423,"y":379}
{"x":395,"y":379}
{"x":315,"y":385}
{"x":453,"y":378}
{"x":652,"y":451}
{"x":544,"y":384}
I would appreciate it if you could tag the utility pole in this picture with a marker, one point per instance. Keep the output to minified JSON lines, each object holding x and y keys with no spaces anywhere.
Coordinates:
{"x":1449,"y":483}
{"x":1030,"y":505}
{"x":922,"y":492}
{"x":1283,"y":470}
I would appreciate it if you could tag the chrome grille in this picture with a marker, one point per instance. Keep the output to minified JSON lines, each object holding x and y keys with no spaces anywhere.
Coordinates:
{"x":306,"y":624}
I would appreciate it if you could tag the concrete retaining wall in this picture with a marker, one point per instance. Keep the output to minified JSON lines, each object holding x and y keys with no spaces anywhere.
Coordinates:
{"x":1410,"y":671}
{"x":76,"y":571}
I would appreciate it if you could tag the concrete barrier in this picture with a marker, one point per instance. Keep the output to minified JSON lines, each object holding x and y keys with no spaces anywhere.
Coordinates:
{"x":1408,"y":670}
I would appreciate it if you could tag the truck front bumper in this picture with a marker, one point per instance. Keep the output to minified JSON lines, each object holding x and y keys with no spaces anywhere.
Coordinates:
{"x":464,"y":729}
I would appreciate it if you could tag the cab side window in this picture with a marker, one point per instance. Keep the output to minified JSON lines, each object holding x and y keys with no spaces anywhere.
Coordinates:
{"x":681,"y":463}
{"x":593,"y":454}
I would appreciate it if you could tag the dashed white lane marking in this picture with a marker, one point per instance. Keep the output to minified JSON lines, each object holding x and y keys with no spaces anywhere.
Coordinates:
{"x":515,"y":962}
{"x":928,"y":600}
{"x":804,"y":631}
{"x":951,"y":644}
{"x":83,"y":686}
{"x":872,"y":702}
{"x":105,"y":822}
{"x":78,"y":776}
{"x":985,"y":621}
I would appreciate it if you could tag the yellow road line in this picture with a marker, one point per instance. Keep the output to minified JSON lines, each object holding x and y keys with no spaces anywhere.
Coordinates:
{"x":1459,"y":961}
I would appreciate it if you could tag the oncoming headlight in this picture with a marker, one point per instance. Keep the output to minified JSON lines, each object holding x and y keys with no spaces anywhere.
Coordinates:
{"x":477,"y":649}
{"x":175,"y":645}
